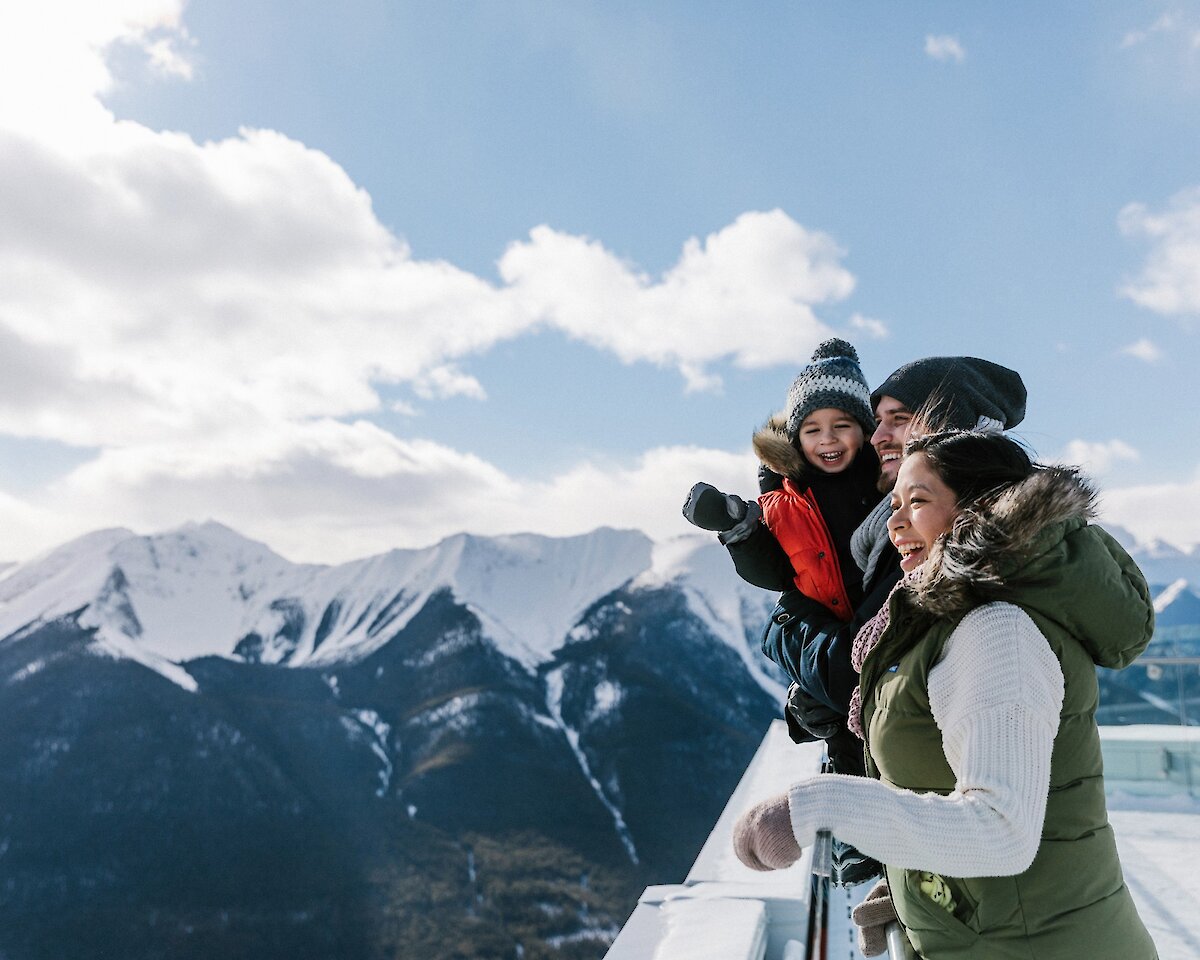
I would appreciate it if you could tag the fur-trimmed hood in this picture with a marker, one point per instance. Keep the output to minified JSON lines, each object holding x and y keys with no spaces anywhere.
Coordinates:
{"x":773,"y":448}
{"x":1033,"y":546}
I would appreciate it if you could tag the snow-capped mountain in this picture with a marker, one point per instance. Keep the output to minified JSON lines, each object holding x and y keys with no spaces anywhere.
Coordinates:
{"x":206,"y":590}
{"x":180,"y":594}
{"x":1164,"y":564}
{"x":1177,"y":606}
{"x":208,"y":750}
{"x":488,"y":746}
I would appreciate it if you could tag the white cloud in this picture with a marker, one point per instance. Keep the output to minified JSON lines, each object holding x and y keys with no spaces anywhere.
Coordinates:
{"x":448,"y":381}
{"x":216,"y":319}
{"x":175,"y":286}
{"x":1098,"y":457}
{"x":944,"y":48}
{"x":1171,"y":26}
{"x":875,"y":329}
{"x":1169,"y":282}
{"x":55,"y":54}
{"x":1167,"y":23}
{"x":30,"y":528}
{"x":330,"y":491}
{"x":183,"y":286}
{"x":1144,"y":349}
{"x":166,"y":58}
{"x":1165,"y":511}
{"x":746,"y":292}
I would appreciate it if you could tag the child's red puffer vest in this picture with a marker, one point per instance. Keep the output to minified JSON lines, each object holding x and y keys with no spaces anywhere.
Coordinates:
{"x":792,"y":516}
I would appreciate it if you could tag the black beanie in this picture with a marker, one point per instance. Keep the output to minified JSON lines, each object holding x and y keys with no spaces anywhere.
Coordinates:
{"x":963,"y":388}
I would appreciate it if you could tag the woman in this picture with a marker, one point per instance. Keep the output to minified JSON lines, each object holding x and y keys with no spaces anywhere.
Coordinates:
{"x":979,"y":698}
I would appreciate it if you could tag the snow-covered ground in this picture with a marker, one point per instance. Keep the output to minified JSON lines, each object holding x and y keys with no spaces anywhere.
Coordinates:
{"x":1160,"y":854}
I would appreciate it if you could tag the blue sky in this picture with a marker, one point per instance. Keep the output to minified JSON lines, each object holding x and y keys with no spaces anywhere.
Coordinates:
{"x":356,"y":276}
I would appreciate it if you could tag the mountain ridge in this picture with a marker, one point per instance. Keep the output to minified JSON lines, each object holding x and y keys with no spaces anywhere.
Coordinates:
{"x":483,"y":748}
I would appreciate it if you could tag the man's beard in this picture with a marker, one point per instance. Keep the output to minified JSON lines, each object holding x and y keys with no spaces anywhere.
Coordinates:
{"x":886,"y":481}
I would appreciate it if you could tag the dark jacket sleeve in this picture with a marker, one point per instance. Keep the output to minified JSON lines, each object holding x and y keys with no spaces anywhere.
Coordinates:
{"x":760,"y":560}
{"x":812,"y":646}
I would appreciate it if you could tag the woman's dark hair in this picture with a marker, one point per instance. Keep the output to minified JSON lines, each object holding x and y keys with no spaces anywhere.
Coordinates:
{"x":976,"y":466}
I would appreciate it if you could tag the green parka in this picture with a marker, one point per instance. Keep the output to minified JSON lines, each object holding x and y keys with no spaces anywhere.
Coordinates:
{"x":1033,"y":548}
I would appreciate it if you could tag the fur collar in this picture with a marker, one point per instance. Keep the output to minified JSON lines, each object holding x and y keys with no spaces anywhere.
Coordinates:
{"x":992,"y":540}
{"x":773,"y":448}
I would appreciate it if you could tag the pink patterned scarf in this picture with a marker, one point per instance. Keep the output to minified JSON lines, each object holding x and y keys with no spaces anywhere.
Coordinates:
{"x":864,"y":642}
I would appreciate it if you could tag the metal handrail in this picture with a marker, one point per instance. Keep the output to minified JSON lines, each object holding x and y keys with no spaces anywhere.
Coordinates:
{"x":897,"y":943}
{"x":818,"y":913}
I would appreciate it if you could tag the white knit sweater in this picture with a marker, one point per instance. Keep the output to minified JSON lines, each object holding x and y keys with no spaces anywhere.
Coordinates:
{"x":996,"y":696}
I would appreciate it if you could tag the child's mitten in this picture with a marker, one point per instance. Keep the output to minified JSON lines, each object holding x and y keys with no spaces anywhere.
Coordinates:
{"x":710,"y":509}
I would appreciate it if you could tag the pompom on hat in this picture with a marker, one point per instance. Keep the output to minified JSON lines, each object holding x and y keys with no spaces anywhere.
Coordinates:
{"x":966,"y":393}
{"x":833,"y":379}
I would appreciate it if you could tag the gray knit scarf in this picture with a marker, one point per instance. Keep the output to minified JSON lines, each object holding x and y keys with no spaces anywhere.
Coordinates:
{"x":871,"y":538}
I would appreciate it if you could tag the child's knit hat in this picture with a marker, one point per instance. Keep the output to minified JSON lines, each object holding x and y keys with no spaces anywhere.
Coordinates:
{"x":833,"y":379}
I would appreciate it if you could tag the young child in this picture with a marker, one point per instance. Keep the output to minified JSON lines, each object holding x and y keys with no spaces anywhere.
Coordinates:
{"x":817,"y":481}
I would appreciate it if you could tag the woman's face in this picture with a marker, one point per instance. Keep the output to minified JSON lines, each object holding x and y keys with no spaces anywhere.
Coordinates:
{"x":923,"y":508}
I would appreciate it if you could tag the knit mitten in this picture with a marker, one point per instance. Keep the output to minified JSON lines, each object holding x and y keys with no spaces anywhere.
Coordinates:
{"x":710,"y":509}
{"x":763,"y":838}
{"x":872,"y":917}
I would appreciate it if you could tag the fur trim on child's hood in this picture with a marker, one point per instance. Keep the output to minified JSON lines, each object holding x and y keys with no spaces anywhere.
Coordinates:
{"x":774,"y":449}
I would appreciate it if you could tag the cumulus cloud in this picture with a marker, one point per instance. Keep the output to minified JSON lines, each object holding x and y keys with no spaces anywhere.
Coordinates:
{"x":329,"y":491}
{"x":1169,"y":282}
{"x":249,"y":278}
{"x":944,"y":48}
{"x":217,"y":319}
{"x":167,"y":55}
{"x":1098,"y":457}
{"x":746,"y":292}
{"x":1145,"y":350}
{"x":56,"y":54}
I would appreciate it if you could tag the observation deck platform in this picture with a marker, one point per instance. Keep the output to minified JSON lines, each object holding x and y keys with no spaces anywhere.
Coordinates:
{"x":725,"y":911}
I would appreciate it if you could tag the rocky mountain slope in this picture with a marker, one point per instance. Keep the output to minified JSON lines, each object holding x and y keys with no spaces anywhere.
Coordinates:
{"x":486,"y":748}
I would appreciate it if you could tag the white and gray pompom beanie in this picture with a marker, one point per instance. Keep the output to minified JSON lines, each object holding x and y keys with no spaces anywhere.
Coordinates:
{"x":833,"y":379}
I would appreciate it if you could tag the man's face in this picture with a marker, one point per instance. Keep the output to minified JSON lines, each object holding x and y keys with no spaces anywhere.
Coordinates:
{"x":891,"y":430}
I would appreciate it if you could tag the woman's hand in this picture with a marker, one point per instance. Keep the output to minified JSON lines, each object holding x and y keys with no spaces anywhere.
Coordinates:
{"x":872,"y":917}
{"x":763,"y":838}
